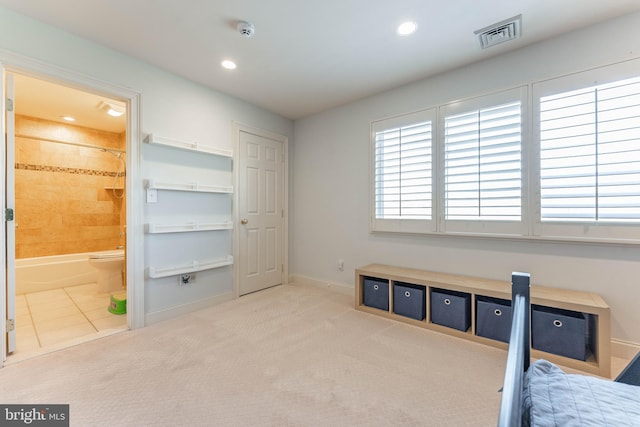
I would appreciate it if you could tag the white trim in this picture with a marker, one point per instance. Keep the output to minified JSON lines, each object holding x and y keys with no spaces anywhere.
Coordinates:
{"x":236,"y":128}
{"x":404,"y":224}
{"x":10,"y":199}
{"x":553,"y":239}
{"x":134,"y":216}
{"x":3,"y":237}
{"x":181,"y":310}
{"x":341,"y":288}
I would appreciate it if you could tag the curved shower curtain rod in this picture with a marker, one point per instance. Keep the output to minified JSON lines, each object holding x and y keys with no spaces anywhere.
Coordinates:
{"x":77,"y":144}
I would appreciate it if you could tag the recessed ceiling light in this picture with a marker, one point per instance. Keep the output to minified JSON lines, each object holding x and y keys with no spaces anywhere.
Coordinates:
{"x":407,"y":28}
{"x":111,"y":109}
{"x":68,"y":118}
{"x":229,"y":65}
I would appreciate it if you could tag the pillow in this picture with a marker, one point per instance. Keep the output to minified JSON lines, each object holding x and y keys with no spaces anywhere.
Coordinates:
{"x":553,"y":398}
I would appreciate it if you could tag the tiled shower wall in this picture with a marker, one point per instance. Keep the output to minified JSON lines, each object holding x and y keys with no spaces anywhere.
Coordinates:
{"x":64,"y":201}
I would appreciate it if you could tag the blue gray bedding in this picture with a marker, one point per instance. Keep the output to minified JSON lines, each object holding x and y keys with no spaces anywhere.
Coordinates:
{"x":553,"y":398}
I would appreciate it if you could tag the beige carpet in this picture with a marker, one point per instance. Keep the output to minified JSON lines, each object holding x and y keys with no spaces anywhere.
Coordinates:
{"x":287,"y":356}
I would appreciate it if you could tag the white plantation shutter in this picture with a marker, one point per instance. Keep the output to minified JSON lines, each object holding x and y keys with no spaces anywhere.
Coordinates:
{"x":473,"y":185}
{"x":489,"y":166}
{"x":402,"y":172}
{"x":590,"y":154}
{"x":483,"y":164}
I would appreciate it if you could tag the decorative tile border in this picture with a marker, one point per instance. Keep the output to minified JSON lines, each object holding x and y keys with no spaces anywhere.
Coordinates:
{"x":75,"y":171}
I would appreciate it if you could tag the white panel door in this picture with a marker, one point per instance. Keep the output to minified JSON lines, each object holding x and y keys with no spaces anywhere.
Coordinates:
{"x":260,"y":209}
{"x":10,"y":224}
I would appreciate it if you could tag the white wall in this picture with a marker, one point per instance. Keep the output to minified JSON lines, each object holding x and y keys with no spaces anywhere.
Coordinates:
{"x":330,"y":164}
{"x":171,"y":107}
{"x":330,"y":185}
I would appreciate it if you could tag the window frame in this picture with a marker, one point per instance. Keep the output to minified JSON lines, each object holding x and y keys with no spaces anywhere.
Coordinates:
{"x":401,"y":225}
{"x":588,"y":231}
{"x":531,"y":226}
{"x":491,"y":227}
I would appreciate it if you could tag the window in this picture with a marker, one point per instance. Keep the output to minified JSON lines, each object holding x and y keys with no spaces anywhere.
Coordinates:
{"x":562,"y":163}
{"x":403,"y":172}
{"x":474,"y":185}
{"x":587,"y":147}
{"x":483,"y":164}
{"x":590,"y":154}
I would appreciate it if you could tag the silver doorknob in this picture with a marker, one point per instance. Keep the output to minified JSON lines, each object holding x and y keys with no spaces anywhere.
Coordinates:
{"x":244,"y":221}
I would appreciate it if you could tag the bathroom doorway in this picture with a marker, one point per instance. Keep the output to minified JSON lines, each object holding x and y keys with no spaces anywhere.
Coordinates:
{"x":68,"y":188}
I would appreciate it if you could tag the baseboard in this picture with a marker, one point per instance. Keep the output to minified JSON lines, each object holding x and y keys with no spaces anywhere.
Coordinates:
{"x":624,"y":349}
{"x":173,"y":312}
{"x":310,"y":281}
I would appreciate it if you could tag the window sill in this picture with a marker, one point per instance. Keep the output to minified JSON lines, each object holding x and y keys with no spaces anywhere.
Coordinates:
{"x":511,"y":237}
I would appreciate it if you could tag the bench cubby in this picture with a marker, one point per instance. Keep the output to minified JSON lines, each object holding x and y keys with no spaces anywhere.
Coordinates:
{"x":409,"y":300}
{"x":493,"y":318}
{"x":482,"y":291}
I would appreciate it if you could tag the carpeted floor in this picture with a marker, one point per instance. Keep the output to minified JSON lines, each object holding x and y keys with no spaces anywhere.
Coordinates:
{"x":287,"y":356}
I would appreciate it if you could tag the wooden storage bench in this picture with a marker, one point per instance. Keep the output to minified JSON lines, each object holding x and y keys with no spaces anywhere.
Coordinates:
{"x":591,"y":305}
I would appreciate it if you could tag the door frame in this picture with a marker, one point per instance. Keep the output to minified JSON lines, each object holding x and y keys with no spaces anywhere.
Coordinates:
{"x":236,"y":129}
{"x":9,"y":183}
{"x":14,"y":63}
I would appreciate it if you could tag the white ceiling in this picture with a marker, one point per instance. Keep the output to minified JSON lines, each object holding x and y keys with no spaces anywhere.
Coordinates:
{"x":308,"y":56}
{"x":50,"y":101}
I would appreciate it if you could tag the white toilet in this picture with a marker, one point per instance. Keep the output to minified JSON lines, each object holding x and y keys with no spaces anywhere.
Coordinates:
{"x":110,"y":265}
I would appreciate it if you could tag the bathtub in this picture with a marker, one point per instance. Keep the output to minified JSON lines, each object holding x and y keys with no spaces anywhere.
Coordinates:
{"x":53,"y":272}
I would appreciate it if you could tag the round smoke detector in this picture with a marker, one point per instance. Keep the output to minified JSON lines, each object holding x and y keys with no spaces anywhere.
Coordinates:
{"x":246,"y":29}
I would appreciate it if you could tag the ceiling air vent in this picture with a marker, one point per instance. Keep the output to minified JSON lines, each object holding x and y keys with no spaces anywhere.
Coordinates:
{"x":503,"y":31}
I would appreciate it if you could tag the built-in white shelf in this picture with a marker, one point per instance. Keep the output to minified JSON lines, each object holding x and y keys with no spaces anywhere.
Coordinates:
{"x":157,"y":272}
{"x":155,"y":228}
{"x":186,"y":145}
{"x":187,"y":186}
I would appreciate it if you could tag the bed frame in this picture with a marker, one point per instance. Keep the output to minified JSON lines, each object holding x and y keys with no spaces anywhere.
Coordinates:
{"x":519,"y":355}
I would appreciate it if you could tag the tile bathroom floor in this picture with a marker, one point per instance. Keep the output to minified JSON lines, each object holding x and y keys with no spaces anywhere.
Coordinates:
{"x":57,"y":318}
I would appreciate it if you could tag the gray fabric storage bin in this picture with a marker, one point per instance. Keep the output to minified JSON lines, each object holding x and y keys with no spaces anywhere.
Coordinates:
{"x":408,"y":300}
{"x":376,"y":293}
{"x":493,"y":318}
{"x":451,"y":308}
{"x":562,"y":332}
